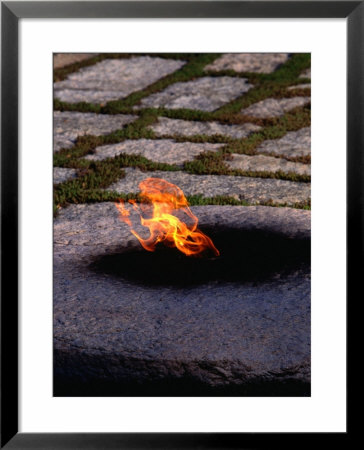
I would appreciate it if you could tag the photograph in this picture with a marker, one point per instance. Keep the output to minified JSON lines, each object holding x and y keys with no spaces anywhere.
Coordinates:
{"x":182,"y":224}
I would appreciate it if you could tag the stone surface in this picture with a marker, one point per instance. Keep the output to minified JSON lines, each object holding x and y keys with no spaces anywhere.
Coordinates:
{"x":218,"y":333}
{"x":157,"y":150}
{"x":65,"y":59}
{"x":206,"y":93}
{"x":267,"y":163}
{"x":274,"y":107}
{"x":299,"y":86}
{"x":249,"y":62}
{"x":166,"y":126}
{"x":254,"y":190}
{"x":306,"y":74}
{"x":67,"y":126}
{"x":112,"y":79}
{"x":293,"y":144}
{"x":61,"y":174}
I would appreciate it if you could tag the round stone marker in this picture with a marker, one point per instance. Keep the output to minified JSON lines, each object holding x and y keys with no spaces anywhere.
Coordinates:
{"x":131,"y":322}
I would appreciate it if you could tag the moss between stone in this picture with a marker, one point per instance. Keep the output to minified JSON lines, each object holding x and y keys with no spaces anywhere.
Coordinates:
{"x":62,"y":72}
{"x":94,"y":176}
{"x":211,"y":163}
{"x":97,"y":196}
{"x":265,"y":85}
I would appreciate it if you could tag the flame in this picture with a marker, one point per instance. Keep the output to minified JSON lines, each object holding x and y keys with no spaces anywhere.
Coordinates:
{"x":159,"y":199}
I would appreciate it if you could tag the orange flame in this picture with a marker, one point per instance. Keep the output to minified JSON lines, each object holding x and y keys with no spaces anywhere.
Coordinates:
{"x":160,"y":199}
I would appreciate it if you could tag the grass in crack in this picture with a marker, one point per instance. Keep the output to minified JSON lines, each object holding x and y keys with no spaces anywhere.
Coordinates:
{"x":286,"y":73}
{"x":199,"y":200}
{"x":294,"y":120}
{"x":265,"y":85}
{"x":279,"y":175}
{"x":200,"y":138}
{"x":290,"y":70}
{"x":214,"y":163}
{"x":84,"y":145}
{"x":98,"y":175}
{"x":84,"y":107}
{"x":62,"y":72}
{"x":268,"y":85}
{"x":98,"y":195}
{"x":208,"y":163}
{"x":193,"y":69}
{"x":95,"y":176}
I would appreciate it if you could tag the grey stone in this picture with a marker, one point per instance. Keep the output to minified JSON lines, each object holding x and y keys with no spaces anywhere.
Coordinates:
{"x":166,"y":126}
{"x":299,"y":86}
{"x":109,"y":329}
{"x":157,"y":150}
{"x":253,"y":190}
{"x":306,"y":73}
{"x":112,"y":79}
{"x":61,"y":174}
{"x":206,"y":93}
{"x":249,"y":62}
{"x":267,"y":163}
{"x":293,"y":144}
{"x":65,"y":59}
{"x":274,"y":107}
{"x":68,"y":126}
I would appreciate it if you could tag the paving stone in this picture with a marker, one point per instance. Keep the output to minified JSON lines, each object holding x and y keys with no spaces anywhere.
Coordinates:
{"x":249,"y":62}
{"x":112,"y":79}
{"x":274,"y":107}
{"x":166,"y":126}
{"x":254,"y":190}
{"x":65,"y":59}
{"x":111,"y":328}
{"x":293,"y":144}
{"x":61,"y":174}
{"x":300,"y":86}
{"x":267,"y":163}
{"x":206,"y":93}
{"x":69,"y":125}
{"x":306,"y":74}
{"x":157,"y":150}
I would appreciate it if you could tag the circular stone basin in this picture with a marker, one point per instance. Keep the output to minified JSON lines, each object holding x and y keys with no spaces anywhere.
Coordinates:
{"x":245,"y":255}
{"x":128,"y":322}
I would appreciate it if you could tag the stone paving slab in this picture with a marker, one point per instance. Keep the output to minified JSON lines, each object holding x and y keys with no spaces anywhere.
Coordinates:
{"x":61,"y":174}
{"x":293,"y":144}
{"x":157,"y":150}
{"x":254,"y":190}
{"x":306,"y":74}
{"x":219,"y":333}
{"x":274,"y":107}
{"x":249,"y":62}
{"x":206,"y":93}
{"x":166,"y":126}
{"x":65,"y":59}
{"x":267,"y":163}
{"x":112,"y":79}
{"x":299,"y":86}
{"x":67,"y":126}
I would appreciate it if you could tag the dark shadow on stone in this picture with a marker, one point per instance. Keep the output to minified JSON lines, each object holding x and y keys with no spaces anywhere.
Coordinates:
{"x":245,"y":256}
{"x":183,"y":387}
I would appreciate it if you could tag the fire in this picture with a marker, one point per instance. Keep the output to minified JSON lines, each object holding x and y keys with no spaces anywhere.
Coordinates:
{"x":160,"y":202}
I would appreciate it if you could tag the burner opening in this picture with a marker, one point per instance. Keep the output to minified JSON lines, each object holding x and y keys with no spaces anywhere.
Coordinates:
{"x":245,"y":256}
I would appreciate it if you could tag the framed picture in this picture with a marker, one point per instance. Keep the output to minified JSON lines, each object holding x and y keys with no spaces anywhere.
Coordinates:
{"x":168,"y":260}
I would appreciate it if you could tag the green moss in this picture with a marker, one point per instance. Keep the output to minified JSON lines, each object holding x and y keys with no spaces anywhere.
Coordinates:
{"x":93,"y":177}
{"x":62,"y":72}
{"x":97,"y":196}
{"x":191,"y":70}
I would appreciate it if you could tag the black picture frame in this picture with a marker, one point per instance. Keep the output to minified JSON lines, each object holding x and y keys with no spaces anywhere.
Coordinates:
{"x":11,"y":12}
